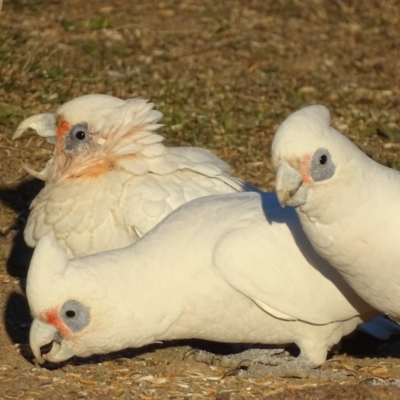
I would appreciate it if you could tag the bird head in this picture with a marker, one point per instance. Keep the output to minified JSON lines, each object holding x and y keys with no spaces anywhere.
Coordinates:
{"x":95,"y":133}
{"x":309,"y":154}
{"x":70,"y":303}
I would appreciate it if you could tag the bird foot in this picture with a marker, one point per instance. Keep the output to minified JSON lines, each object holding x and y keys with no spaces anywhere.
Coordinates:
{"x":256,"y":363}
{"x":238,"y":360}
{"x":299,"y":367}
{"x":377,"y":381}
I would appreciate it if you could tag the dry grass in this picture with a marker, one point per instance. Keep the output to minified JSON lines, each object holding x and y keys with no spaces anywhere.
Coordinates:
{"x":224,"y":74}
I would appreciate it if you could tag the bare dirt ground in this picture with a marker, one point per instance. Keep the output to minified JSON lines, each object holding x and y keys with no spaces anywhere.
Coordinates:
{"x":224,"y":74}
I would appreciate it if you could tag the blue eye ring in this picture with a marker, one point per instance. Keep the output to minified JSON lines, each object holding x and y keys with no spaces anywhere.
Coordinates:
{"x":77,"y":136}
{"x":322,"y":166}
{"x":75,"y":315}
{"x":79,"y":132}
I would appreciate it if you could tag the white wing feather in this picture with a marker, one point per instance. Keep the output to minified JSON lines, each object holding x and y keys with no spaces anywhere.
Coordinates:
{"x":279,"y":278}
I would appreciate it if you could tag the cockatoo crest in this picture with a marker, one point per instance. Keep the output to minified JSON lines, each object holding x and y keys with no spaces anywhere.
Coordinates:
{"x":306,"y":131}
{"x":97,"y":133}
{"x":53,"y":269}
{"x":308,"y":152}
{"x":48,"y":250}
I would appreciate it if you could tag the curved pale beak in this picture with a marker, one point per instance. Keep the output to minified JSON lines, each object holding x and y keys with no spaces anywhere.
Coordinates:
{"x":42,"y":334}
{"x":288,"y":182}
{"x":43,"y":124}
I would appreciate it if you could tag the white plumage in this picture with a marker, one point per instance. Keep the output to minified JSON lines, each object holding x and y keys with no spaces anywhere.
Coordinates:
{"x":229,"y":268}
{"x":110,"y":179}
{"x":348,"y":204}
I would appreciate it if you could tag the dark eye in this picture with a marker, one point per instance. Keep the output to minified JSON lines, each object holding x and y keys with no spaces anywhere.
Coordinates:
{"x":70,"y":314}
{"x":80,"y":135}
{"x":323,"y":159}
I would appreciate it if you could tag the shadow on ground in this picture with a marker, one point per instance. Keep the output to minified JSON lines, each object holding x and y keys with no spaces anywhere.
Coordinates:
{"x":19,"y":198}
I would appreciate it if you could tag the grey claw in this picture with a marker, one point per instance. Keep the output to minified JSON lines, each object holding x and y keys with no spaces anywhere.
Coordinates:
{"x":353,"y":374}
{"x":189,"y":353}
{"x":232,"y":372}
{"x":201,"y":356}
{"x":377,"y":381}
{"x":244,"y":363}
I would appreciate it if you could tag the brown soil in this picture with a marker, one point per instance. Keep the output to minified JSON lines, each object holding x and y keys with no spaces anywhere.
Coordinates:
{"x":224,"y":74}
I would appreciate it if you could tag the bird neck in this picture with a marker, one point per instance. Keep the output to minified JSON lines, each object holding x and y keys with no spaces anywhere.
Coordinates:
{"x":353,"y":225}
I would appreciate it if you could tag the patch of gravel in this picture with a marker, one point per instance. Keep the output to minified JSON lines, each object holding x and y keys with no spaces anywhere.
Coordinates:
{"x":224,"y":74}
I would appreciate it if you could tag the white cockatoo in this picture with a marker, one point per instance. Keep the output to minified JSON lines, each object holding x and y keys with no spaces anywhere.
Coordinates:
{"x":347,"y":204}
{"x":110,"y":178}
{"x":233,"y":268}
